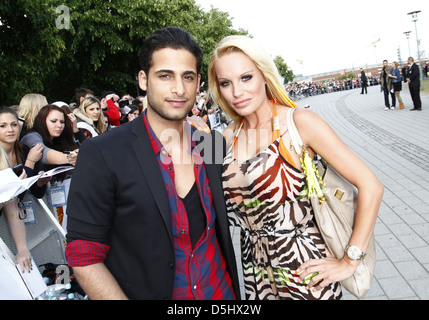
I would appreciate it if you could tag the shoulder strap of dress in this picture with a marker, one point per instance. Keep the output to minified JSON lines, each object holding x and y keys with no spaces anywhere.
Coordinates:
{"x":275,"y":123}
{"x":237,"y":132}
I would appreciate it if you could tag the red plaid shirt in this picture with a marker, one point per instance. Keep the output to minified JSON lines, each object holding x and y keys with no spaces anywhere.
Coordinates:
{"x":200,"y":271}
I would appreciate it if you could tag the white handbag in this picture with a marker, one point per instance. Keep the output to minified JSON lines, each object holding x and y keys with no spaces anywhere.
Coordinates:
{"x":334,"y":202}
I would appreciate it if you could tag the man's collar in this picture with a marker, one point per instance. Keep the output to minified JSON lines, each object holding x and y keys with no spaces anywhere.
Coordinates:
{"x":157,"y":146}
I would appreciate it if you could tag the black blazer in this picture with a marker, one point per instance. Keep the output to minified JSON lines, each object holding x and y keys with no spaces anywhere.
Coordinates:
{"x":414,"y":75}
{"x":364,"y":78}
{"x":117,"y":197}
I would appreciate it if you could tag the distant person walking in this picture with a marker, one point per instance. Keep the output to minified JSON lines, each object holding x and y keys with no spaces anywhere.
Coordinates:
{"x":396,"y":83}
{"x":364,"y":81}
{"x":386,"y":86}
{"x":413,"y":79}
{"x":404,"y":73}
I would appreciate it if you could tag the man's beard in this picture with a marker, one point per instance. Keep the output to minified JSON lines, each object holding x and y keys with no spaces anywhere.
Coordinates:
{"x":164,"y":113}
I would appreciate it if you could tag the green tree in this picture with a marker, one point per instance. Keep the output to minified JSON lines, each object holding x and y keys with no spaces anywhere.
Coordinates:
{"x":284,"y":70}
{"x":30,"y":46}
{"x":214,"y":25}
{"x":98,"y":49}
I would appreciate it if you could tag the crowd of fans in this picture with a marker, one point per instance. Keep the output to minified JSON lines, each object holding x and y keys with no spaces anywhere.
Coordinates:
{"x":37,"y":136}
{"x":300,"y":90}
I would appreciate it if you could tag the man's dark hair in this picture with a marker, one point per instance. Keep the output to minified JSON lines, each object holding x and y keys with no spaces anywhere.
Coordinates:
{"x":81,"y":93}
{"x":171,"y":37}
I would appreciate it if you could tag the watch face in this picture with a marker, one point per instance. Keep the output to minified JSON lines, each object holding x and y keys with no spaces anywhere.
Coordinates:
{"x":354,"y":253}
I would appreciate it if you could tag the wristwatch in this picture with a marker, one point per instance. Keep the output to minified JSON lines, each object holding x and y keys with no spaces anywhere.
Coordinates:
{"x":354,"y":253}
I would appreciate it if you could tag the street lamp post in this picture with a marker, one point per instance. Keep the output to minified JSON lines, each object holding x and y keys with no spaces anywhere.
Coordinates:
{"x":414,"y":17}
{"x":407,"y":34}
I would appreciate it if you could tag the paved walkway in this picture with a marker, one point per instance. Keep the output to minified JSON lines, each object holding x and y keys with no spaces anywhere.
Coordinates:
{"x":395,"y":145}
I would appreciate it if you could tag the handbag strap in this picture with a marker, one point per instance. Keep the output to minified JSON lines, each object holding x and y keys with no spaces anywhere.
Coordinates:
{"x":295,"y":138}
{"x":315,"y":183}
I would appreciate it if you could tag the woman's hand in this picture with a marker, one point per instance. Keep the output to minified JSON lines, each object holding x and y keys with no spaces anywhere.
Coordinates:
{"x":23,"y":175}
{"x":43,"y":181}
{"x":198,"y":123}
{"x":72,"y":158}
{"x":73,"y":120}
{"x":328,"y":270}
{"x":23,"y":258}
{"x":114,"y":96}
{"x":34,"y":155}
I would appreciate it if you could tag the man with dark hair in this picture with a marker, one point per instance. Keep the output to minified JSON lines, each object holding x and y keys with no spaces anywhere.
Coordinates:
{"x":364,"y":81}
{"x":169,"y":38}
{"x":386,"y":85}
{"x":146,"y":212}
{"x":413,"y":79}
{"x":82,"y":93}
{"x":404,"y":73}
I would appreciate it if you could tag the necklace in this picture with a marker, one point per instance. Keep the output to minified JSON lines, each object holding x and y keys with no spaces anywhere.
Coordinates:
{"x":249,"y":138}
{"x":275,"y":124}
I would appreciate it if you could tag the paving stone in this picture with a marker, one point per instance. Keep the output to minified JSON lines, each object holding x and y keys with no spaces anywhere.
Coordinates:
{"x":421,"y":286}
{"x":395,"y":145}
{"x":396,"y":288}
{"x":412,"y":270}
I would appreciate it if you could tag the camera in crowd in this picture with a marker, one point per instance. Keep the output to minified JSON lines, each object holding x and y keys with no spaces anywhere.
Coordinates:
{"x":125,"y":103}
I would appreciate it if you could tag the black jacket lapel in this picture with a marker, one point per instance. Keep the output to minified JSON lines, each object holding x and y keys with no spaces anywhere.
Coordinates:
{"x":149,"y":164}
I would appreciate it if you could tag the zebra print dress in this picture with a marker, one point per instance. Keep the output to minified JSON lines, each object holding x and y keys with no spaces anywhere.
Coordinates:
{"x":266,"y":198}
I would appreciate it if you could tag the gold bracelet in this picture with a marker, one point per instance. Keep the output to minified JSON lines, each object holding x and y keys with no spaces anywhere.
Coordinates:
{"x":31,"y":160}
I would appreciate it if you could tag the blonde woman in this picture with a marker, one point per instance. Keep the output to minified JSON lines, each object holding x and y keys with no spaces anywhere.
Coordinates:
{"x":28,"y":108}
{"x":16,"y":225}
{"x":265,"y":188}
{"x":90,"y":118}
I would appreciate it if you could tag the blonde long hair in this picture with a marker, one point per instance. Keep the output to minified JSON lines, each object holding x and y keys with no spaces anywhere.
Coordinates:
{"x":263,"y":61}
{"x":29,"y":107}
{"x":99,"y":126}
